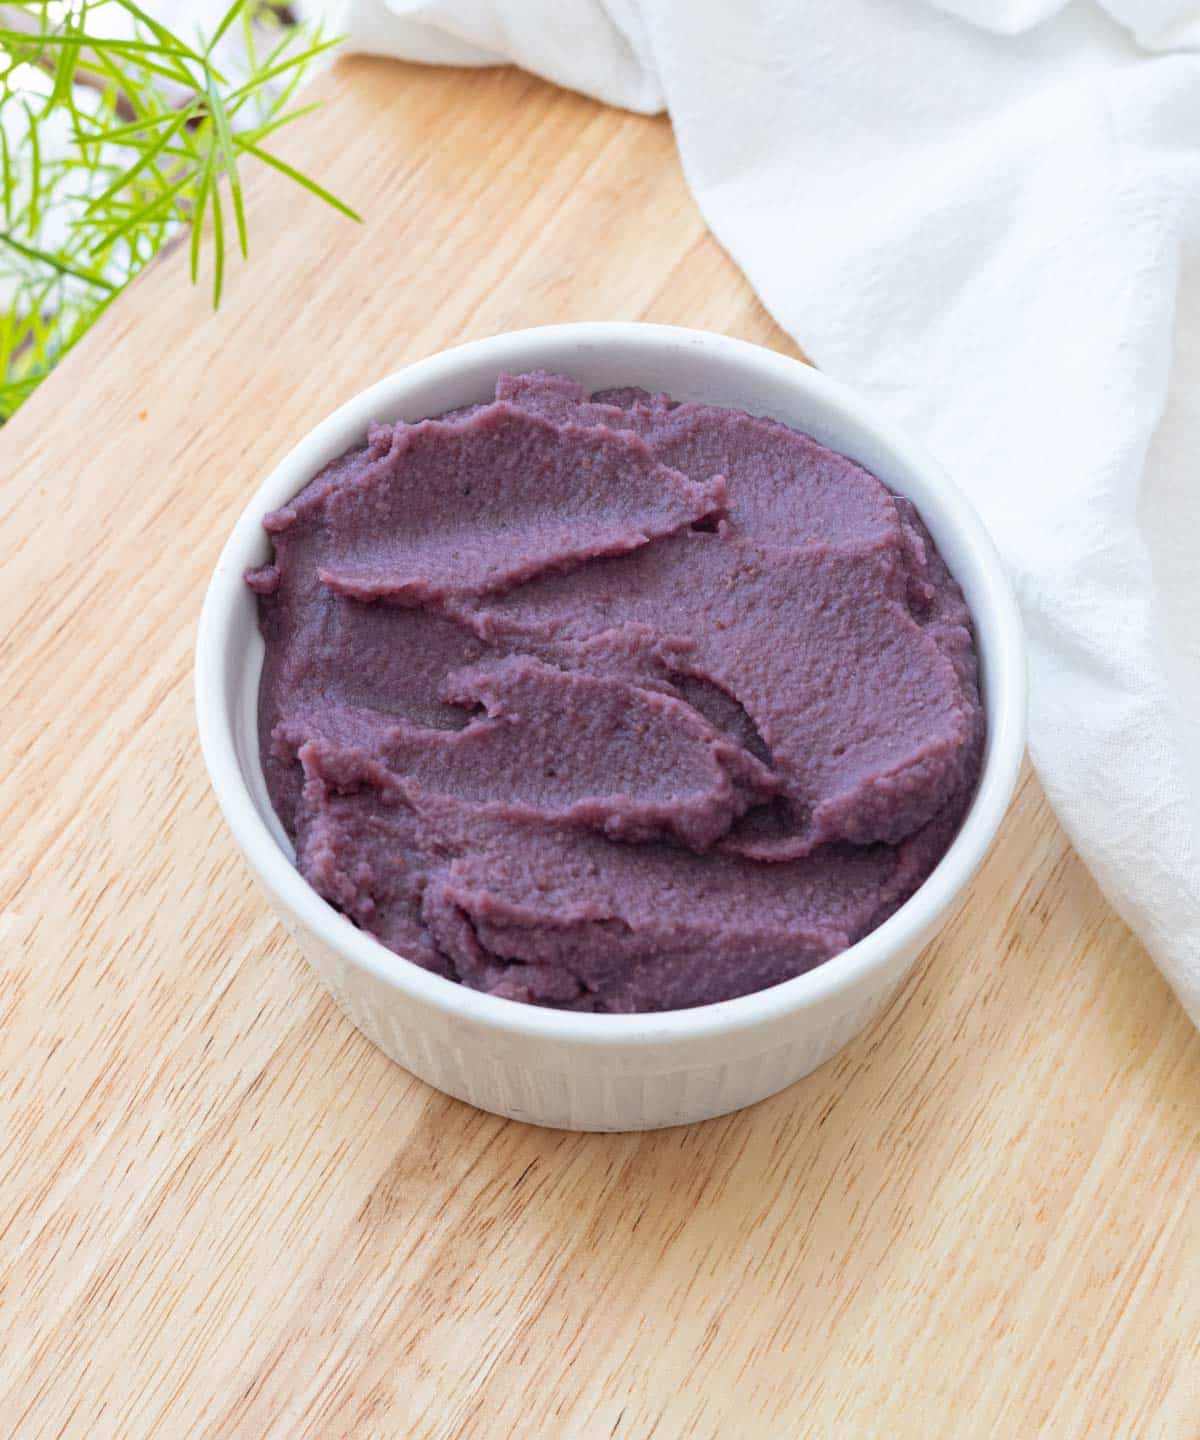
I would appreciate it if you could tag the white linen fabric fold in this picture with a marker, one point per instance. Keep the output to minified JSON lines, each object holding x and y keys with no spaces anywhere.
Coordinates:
{"x":984,"y":216}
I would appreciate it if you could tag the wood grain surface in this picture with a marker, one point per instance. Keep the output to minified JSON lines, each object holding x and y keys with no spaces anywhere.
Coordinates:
{"x":222,"y":1213}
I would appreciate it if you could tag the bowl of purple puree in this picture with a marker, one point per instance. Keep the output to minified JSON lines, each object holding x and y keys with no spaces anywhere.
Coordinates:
{"x":594,"y":1055}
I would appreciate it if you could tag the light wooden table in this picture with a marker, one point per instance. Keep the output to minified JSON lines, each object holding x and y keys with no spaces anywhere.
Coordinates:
{"x":222,"y":1213}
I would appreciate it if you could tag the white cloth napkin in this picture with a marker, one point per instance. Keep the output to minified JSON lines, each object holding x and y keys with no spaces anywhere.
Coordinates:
{"x":983,"y":214}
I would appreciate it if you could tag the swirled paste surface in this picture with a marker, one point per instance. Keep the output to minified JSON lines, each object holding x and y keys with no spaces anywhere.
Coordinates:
{"x":612,"y":703}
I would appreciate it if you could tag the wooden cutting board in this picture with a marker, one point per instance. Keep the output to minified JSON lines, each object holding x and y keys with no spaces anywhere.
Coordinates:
{"x":222,"y":1213}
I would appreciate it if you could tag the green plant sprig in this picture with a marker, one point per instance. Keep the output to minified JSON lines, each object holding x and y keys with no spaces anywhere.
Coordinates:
{"x":108,"y":145}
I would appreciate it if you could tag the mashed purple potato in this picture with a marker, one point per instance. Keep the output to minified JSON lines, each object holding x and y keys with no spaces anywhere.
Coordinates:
{"x":612,"y":703}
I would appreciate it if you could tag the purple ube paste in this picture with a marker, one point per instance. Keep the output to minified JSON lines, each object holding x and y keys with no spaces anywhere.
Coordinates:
{"x":610,"y":703}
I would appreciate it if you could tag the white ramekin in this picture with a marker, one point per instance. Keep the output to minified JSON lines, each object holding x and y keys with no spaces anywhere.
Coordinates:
{"x":606,"y":1072}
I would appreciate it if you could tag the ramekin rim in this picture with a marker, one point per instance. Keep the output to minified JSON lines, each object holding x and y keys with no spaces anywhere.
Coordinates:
{"x":841,"y":974}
